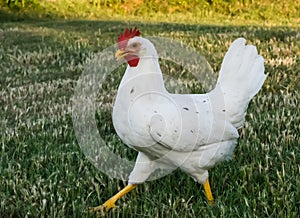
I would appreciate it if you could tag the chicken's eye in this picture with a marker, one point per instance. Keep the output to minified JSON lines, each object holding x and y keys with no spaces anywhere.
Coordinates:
{"x":134,"y":45}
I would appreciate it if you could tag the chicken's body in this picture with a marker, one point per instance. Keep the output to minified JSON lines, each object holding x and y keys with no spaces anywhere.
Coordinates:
{"x":191,"y":131}
{"x":170,"y":130}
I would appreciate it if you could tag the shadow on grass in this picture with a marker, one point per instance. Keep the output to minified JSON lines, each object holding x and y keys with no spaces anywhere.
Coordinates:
{"x":6,"y":16}
{"x":148,"y":28}
{"x":35,"y":30}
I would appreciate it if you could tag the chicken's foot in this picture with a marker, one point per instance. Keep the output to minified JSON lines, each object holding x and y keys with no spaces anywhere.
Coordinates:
{"x":110,"y":203}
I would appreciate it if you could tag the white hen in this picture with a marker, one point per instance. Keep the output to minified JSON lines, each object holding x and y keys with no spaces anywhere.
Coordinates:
{"x":191,"y":131}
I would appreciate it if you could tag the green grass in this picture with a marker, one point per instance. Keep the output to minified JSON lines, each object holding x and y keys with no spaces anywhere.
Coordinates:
{"x":43,"y":172}
{"x":250,"y":12}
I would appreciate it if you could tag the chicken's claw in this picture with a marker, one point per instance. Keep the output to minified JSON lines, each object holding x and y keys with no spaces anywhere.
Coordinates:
{"x":110,"y":203}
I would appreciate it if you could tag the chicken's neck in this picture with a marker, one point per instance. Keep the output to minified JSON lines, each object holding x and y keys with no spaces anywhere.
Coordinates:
{"x":146,"y":74}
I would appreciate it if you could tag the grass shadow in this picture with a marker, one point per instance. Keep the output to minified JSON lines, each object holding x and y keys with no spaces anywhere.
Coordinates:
{"x":7,"y":16}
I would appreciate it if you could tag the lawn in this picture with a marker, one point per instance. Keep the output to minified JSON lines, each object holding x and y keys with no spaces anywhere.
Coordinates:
{"x":44,"y":173}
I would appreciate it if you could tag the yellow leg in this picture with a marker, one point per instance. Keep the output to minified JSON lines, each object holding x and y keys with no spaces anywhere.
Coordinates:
{"x":208,"y":193}
{"x":110,"y":203}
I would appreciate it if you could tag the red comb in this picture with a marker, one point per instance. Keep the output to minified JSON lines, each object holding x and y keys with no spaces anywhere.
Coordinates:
{"x":128,"y":34}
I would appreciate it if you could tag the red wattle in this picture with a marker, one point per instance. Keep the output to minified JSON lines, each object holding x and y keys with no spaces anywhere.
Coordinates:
{"x":132,"y":60}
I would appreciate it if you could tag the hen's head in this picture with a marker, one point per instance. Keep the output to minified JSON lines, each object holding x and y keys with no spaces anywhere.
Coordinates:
{"x":132,"y":47}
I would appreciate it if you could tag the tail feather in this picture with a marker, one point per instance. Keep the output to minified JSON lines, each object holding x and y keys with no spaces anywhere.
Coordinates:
{"x":241,"y":77}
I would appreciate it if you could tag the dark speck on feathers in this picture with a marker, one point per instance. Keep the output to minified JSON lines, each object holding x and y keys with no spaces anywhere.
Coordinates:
{"x":185,"y":108}
{"x":155,"y":112}
{"x":204,"y":101}
{"x":224,"y":110}
{"x":192,"y":131}
{"x":132,"y":90}
{"x":197,"y":112}
{"x":158,"y":134}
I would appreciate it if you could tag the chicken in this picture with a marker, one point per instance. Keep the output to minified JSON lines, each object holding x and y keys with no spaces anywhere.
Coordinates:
{"x":193,"y":132}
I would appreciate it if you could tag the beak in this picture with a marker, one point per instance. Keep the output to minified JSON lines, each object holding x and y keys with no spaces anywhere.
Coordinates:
{"x":121,"y":54}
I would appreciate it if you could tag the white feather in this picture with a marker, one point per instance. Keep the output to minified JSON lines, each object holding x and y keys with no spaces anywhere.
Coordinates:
{"x":241,"y":77}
